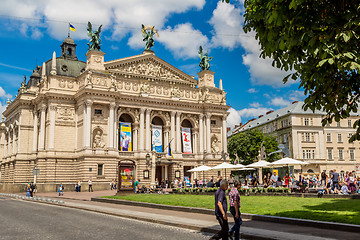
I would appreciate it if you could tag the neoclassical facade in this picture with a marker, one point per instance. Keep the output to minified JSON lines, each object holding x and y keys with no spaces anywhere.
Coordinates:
{"x":76,"y":120}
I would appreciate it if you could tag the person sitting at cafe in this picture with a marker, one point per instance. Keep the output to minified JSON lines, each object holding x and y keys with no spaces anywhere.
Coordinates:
{"x":278,"y":182}
{"x":210,"y":183}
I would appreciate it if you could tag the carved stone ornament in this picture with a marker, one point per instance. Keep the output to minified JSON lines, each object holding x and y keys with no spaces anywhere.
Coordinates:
{"x":145,"y":88}
{"x":98,"y":141}
{"x":88,"y":80}
{"x":113,"y":82}
{"x":149,"y":68}
{"x":175,"y":92}
{"x":65,"y":113}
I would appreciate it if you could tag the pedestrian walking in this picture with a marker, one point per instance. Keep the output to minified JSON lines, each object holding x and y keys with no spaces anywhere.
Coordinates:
{"x":220,"y":211}
{"x":61,"y":190}
{"x":28,"y":190}
{"x":90,"y":185}
{"x":112,"y":184}
{"x":79,"y":186}
{"x":32,"y":189}
{"x":234,"y":202}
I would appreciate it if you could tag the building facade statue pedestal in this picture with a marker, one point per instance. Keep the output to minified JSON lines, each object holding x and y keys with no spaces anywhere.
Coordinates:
{"x":206,"y":78}
{"x":95,"y":61}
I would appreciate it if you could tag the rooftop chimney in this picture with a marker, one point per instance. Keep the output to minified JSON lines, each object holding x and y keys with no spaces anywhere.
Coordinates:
{"x":294,"y":102}
{"x":269,"y":112}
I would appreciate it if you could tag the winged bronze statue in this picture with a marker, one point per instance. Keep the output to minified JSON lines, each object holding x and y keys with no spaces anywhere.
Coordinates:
{"x":205,"y":59}
{"x":148,"y":33}
{"x":95,"y":41}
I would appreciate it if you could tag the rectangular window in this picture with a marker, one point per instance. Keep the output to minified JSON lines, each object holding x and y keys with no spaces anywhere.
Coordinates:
{"x":276,"y":126}
{"x":329,"y":153}
{"x":341,"y":154}
{"x":349,"y":123}
{"x":306,"y":122}
{"x":98,"y":111}
{"x":213,"y":122}
{"x":339,"y":137}
{"x":100,"y":169}
{"x":352,"y":154}
{"x":313,"y":154}
{"x":308,"y":154}
{"x":307,"y":137}
{"x":328,"y":137}
{"x":311,"y":122}
{"x":338,"y":124}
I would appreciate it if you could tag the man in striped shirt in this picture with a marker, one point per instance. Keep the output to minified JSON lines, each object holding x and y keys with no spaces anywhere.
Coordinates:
{"x":234,"y":201}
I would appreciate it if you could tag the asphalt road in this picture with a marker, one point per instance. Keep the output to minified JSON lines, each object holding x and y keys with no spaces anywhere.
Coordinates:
{"x":27,"y":220}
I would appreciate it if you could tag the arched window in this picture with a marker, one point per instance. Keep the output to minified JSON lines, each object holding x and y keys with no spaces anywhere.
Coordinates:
{"x":187,"y":142}
{"x":310,"y":171}
{"x":157,"y":136}
{"x":125,"y":132}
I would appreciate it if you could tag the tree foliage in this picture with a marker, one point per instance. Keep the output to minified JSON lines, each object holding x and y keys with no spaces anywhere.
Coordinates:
{"x":319,"y":41}
{"x":246,"y":145}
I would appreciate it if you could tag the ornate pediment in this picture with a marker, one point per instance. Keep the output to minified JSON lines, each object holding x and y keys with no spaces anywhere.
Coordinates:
{"x":149,"y":66}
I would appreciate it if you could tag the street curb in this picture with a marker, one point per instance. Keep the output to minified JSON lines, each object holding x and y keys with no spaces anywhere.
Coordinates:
{"x":265,"y":218}
{"x":179,"y":225}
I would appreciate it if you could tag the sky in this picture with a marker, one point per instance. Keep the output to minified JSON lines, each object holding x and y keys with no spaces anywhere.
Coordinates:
{"x":32,"y":29}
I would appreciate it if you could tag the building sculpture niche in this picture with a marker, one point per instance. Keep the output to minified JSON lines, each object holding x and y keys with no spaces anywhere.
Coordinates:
{"x":98,"y":140}
{"x":214,"y":144}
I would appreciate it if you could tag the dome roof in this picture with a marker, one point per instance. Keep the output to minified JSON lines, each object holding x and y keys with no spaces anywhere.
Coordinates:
{"x":35,"y":74}
{"x":68,"y":40}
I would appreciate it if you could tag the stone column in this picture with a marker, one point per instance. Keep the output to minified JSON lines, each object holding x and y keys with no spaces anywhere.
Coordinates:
{"x":52,"y":109}
{"x":88,"y":104}
{"x":13,"y":141}
{"x":84,"y":126}
{"x":153,"y":168}
{"x":204,"y":130}
{"x":111,"y":125}
{"x":18,"y":135}
{"x":166,"y":137}
{"x":135,"y":137}
{"x":195,"y":150}
{"x":224,"y":140}
{"x":201,"y":133}
{"x":76,"y":128}
{"x":141,"y":139}
{"x":166,"y":172}
{"x":172,"y":131}
{"x":42,"y":127}
{"x":208,"y":136}
{"x":116,"y":128}
{"x":35,"y":131}
{"x":178,"y":133}
{"x":148,"y":130}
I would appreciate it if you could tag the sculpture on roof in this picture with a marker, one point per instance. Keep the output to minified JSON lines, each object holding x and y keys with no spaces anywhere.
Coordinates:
{"x":94,"y":42}
{"x":148,"y":33}
{"x":205,"y":59}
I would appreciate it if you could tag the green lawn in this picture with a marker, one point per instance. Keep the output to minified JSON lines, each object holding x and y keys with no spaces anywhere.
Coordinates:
{"x":323,"y":209}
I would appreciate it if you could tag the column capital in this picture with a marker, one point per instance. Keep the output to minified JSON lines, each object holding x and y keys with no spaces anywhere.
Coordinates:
{"x":178,"y":114}
{"x":172,"y":114}
{"x":142,"y":110}
{"x":148,"y":111}
{"x":52,"y":107}
{"x":43,"y":107}
{"x":201,"y":115}
{"x":88,"y":102}
{"x":112,"y":105}
{"x":208,"y":115}
{"x":224,"y":117}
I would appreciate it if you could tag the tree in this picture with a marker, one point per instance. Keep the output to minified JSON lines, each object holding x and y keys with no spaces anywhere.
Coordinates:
{"x":245,"y":146}
{"x":318,"y":41}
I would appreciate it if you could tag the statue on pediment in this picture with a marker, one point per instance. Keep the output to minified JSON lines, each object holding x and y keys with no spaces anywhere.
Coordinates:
{"x":113,"y":82}
{"x":214,"y":145}
{"x":205,"y":59}
{"x":148,"y":33}
{"x":98,"y":139}
{"x":95,"y":41}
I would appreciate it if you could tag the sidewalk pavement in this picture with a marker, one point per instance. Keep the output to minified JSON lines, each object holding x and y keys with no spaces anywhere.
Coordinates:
{"x":251,"y":229}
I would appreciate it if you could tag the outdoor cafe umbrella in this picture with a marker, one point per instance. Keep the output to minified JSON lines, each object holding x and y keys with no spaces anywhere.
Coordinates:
{"x":286,"y":162}
{"x":239,"y":166}
{"x":260,"y":165}
{"x":225,"y":166}
{"x":201,"y":168}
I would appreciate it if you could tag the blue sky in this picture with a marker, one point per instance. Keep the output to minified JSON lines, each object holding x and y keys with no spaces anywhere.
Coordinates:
{"x":32,"y":30}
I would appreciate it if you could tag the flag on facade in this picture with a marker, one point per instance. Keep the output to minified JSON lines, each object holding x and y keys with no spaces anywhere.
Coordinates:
{"x":72,"y":28}
{"x":170,"y":152}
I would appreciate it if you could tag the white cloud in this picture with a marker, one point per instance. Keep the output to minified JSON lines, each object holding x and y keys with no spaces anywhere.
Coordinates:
{"x":228,"y":33}
{"x":121,"y":17}
{"x":296,"y":95}
{"x":3,"y":94}
{"x":233,"y":119}
{"x":183,"y":40}
{"x":253,"y":112}
{"x":226,"y":21}
{"x":279,"y":102}
{"x":2,"y":109}
{"x":255,"y":104}
{"x":252,"y":90}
